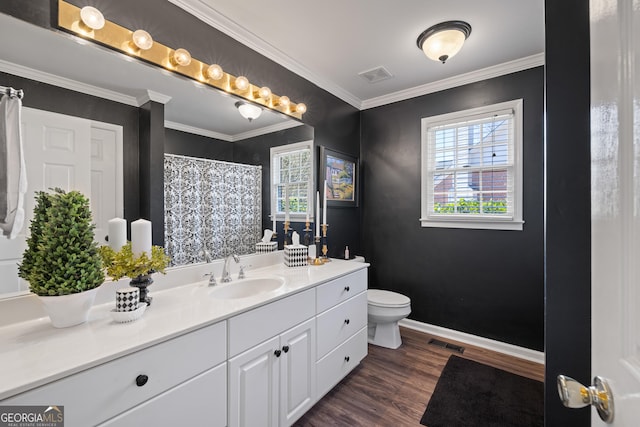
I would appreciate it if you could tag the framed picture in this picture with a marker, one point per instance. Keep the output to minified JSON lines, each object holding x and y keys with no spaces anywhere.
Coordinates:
{"x":340,"y":171}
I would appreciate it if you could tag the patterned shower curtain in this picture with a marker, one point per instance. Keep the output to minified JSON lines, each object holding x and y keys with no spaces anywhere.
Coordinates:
{"x":212,"y":205}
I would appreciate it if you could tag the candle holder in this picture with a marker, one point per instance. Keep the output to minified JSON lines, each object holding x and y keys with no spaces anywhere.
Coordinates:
{"x":317,"y":260}
{"x":307,"y":239}
{"x":325,"y":247}
{"x":287,"y":241}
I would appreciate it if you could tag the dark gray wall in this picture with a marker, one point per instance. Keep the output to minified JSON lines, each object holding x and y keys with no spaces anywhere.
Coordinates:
{"x":189,"y":144}
{"x":568,"y":212}
{"x":484,"y":282}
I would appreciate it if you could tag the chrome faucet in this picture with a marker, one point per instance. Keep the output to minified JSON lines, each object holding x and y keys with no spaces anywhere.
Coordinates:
{"x":212,"y":277}
{"x":226,"y":276}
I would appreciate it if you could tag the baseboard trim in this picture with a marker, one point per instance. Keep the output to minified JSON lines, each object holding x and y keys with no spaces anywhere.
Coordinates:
{"x":489,"y":344}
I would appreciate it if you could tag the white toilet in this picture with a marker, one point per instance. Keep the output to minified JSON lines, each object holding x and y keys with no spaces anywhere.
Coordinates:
{"x":385,"y":309}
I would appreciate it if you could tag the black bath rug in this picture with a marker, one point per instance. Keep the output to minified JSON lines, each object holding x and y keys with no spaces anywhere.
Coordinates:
{"x":471,"y":394}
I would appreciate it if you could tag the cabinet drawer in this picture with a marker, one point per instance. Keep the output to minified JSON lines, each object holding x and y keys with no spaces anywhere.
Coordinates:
{"x":251,"y":328}
{"x":340,"y":289}
{"x":337,"y":364}
{"x":336,"y":325}
{"x":99,"y":393}
{"x":201,"y":401}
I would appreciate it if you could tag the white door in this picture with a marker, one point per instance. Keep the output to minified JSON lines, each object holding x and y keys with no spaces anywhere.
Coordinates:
{"x":615,"y":203}
{"x":253,"y":386}
{"x":73,"y":154}
{"x":106,"y":177}
{"x":297,"y":371}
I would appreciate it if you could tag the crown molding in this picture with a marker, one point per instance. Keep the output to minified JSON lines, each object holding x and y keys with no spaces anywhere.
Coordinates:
{"x":462,"y":79}
{"x":219,"y":21}
{"x":232,"y":138}
{"x":197,"y":131}
{"x":63,"y":82}
{"x":151,"y":95}
{"x":267,"y":129}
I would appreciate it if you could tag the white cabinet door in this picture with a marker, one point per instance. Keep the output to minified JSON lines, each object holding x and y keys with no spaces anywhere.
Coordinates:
{"x":253,"y":386}
{"x":297,"y":372}
{"x":201,"y":401}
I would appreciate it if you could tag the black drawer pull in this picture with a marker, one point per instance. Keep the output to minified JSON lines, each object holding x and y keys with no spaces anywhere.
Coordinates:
{"x":346,"y":358}
{"x":277,"y":353}
{"x":346,"y":321}
{"x":141,"y":380}
{"x":285,"y":348}
{"x":346,"y":288}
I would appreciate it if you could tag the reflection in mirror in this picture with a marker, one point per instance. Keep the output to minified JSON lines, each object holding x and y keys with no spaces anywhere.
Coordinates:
{"x":190,"y":108}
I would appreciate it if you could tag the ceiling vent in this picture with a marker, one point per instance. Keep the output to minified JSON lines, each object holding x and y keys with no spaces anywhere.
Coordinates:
{"x":376,"y":75}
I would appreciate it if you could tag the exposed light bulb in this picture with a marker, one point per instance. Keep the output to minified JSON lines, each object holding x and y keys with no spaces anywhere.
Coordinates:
{"x":214,"y":72}
{"x":264,"y":92}
{"x":284,"y":101}
{"x":182,"y":57}
{"x":92,"y":17}
{"x":242,"y":83}
{"x":301,"y":108}
{"x":142,"y":39}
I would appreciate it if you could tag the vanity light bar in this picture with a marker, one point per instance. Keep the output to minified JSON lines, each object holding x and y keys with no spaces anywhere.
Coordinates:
{"x":119,"y":38}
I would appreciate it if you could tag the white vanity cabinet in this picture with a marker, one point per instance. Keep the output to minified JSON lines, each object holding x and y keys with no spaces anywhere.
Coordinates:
{"x":272,"y":383}
{"x":342,"y":328}
{"x":162,"y":377}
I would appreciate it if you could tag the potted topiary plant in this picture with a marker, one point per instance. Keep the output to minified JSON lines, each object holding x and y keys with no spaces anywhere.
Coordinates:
{"x":61,"y":262}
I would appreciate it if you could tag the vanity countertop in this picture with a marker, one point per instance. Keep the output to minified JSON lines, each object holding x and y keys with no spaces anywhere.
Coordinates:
{"x":33,"y":352}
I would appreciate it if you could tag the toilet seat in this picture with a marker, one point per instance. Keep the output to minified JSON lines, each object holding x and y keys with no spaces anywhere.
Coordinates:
{"x":381,"y":298}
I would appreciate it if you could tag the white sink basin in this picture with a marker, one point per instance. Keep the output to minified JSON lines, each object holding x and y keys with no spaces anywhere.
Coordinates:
{"x":246,"y":288}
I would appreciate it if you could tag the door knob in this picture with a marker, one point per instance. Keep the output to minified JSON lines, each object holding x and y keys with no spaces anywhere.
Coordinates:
{"x":575,"y":395}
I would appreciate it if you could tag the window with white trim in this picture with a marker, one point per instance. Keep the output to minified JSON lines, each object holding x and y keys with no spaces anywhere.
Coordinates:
{"x":472,"y":168}
{"x":292,"y":179}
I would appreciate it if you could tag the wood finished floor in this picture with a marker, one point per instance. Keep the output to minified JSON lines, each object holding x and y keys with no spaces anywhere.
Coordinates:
{"x":393,"y":387}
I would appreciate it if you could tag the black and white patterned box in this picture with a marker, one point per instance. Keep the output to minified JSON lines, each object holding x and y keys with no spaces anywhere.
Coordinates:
{"x":127,"y":299}
{"x":296,"y":256}
{"x":262,"y":247}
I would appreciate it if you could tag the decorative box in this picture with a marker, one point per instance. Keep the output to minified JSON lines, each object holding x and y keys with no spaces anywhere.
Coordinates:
{"x":296,"y":256}
{"x":262,"y":247}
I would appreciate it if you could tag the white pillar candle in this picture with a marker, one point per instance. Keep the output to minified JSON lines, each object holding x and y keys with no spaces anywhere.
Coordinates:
{"x":117,"y":233}
{"x":141,"y":237}
{"x":286,"y":202}
{"x":274,"y":203}
{"x":317,"y":218}
{"x":324,"y":204}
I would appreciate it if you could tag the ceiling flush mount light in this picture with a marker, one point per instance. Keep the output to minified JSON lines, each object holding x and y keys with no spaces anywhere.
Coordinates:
{"x":92,"y":17}
{"x":248,"y":111}
{"x":444,"y":40}
{"x":181,"y":57}
{"x":142,"y":39}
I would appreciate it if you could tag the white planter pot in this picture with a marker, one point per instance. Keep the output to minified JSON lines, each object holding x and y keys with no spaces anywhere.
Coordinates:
{"x":69,"y":310}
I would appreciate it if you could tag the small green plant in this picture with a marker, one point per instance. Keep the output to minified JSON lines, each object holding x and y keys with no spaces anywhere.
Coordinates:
{"x":472,"y":206}
{"x":124,"y":263}
{"x":61,"y":256}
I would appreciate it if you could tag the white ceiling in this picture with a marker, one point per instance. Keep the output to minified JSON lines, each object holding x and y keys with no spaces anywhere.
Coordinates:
{"x":327,"y":42}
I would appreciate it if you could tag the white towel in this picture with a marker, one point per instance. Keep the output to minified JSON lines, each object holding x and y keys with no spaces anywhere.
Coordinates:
{"x":13,"y":178}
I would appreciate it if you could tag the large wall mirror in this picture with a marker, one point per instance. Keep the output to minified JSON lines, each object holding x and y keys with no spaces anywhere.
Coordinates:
{"x":60,"y":59}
